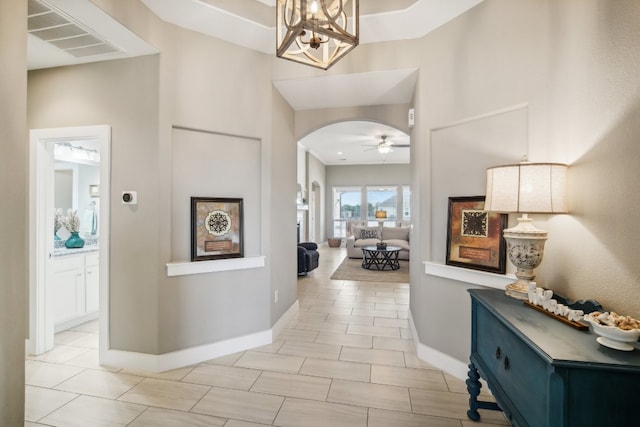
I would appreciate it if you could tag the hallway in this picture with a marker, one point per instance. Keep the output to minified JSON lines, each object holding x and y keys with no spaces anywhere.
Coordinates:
{"x":347,"y":359}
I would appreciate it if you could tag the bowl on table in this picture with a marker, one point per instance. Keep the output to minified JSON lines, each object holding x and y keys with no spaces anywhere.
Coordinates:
{"x":613,"y":336}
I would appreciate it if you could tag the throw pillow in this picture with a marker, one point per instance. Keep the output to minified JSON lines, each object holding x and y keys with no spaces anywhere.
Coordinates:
{"x":368,"y":233}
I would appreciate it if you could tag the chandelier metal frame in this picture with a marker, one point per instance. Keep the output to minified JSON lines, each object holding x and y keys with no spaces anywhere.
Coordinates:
{"x":316,"y":32}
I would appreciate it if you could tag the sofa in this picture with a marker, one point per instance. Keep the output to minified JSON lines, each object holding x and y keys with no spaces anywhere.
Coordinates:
{"x":308,"y":257}
{"x":369,"y":236}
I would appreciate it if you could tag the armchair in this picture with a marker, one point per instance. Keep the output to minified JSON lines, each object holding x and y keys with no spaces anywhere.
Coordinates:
{"x":308,"y":257}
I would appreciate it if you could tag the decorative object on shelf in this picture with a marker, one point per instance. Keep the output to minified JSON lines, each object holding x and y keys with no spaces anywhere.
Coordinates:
{"x":474,"y":236}
{"x":541,"y":299}
{"x":526,"y":188}
{"x":72,"y":223}
{"x":58,"y":222}
{"x":316,"y":32}
{"x":615,"y":331}
{"x":216,"y":228}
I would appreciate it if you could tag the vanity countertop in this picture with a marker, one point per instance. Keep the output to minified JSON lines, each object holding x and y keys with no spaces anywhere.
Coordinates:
{"x":60,"y":252}
{"x":90,"y":245}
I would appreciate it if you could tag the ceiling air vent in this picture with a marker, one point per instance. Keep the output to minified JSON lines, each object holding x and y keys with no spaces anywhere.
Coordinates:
{"x":61,"y":31}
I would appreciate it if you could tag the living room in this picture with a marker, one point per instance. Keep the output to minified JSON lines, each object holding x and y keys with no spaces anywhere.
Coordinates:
{"x":355,"y":182}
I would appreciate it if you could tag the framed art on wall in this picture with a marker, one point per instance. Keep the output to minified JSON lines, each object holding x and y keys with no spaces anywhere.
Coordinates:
{"x":474,"y":236}
{"x":216,"y":228}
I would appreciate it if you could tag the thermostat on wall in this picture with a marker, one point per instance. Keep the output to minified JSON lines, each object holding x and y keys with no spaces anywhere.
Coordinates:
{"x":129,"y":198}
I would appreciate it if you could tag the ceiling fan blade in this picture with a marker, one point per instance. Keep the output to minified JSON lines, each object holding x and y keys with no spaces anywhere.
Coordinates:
{"x":402,"y":145}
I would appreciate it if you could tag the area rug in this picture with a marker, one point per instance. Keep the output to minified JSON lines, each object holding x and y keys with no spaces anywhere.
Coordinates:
{"x":351,"y":269}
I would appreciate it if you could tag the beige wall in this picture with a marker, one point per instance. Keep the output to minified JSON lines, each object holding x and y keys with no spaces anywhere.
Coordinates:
{"x":13,"y":224}
{"x":122,"y":94}
{"x":282,"y":229}
{"x":143,"y":98}
{"x":317,"y":177}
{"x":575,"y":65}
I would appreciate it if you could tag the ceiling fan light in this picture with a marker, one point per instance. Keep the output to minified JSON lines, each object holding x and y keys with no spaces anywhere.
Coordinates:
{"x":384,"y":149}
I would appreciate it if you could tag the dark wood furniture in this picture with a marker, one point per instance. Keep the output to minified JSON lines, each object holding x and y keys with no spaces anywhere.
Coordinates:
{"x":380,"y":258}
{"x":545,"y":373}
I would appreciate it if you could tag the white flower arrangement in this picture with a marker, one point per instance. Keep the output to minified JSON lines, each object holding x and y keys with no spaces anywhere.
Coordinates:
{"x":58,"y":220}
{"x":72,"y":221}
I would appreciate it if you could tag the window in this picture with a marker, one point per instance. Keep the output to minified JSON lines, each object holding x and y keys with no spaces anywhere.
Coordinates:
{"x":382,"y":199}
{"x":348,"y":203}
{"x":406,"y":203}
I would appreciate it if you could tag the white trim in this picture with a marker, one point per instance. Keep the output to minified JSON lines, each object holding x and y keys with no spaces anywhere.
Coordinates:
{"x":190,"y":356}
{"x":180,"y":358}
{"x":434,"y":357}
{"x":497,"y":112}
{"x":474,"y":277}
{"x":185,"y":268}
{"x":285,"y":319}
{"x":40,"y":228}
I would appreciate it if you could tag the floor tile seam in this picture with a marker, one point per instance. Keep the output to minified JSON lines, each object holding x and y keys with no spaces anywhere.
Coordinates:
{"x":54,"y":387}
{"x":289,"y":373}
{"x":151,"y":405}
{"x":103,"y":397}
{"x":59,"y":407}
{"x":140,"y":414}
{"x":182,"y":381}
{"x":368,"y":407}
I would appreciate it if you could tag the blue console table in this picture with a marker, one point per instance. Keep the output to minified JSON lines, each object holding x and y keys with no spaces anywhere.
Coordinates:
{"x":544,"y":373}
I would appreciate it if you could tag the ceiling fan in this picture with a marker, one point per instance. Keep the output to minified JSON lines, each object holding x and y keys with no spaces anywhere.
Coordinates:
{"x":384,"y":146}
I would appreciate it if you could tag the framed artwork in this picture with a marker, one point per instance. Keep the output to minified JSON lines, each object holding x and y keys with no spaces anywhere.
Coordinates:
{"x":474,"y":236}
{"x":216,"y":228}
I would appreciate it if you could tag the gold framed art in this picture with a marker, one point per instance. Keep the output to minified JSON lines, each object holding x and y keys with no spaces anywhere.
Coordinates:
{"x":474,"y":236}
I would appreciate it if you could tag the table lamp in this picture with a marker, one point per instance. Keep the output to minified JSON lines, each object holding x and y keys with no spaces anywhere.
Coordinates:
{"x":381,"y":215}
{"x":526,"y":188}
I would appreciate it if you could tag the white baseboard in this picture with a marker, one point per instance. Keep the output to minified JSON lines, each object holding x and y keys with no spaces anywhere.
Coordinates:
{"x":284,"y":320}
{"x":434,"y":357}
{"x":190,"y":356}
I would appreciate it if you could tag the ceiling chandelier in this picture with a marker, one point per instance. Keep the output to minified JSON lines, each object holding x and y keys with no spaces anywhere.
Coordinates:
{"x":316,"y":32}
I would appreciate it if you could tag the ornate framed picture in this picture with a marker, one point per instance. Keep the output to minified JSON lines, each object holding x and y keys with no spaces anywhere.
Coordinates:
{"x":474,"y":236}
{"x":216,"y":228}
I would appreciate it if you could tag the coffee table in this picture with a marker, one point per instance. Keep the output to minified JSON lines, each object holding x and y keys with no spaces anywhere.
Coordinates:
{"x":380,"y":258}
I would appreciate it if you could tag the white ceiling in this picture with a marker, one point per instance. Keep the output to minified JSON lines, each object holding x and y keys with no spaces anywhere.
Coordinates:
{"x":251,"y":23}
{"x":355,"y":142}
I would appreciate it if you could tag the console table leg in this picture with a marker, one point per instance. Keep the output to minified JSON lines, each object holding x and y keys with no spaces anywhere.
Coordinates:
{"x":473,"y":387}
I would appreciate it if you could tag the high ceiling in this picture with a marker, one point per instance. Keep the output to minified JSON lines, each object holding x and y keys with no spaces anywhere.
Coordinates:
{"x":250,"y":23}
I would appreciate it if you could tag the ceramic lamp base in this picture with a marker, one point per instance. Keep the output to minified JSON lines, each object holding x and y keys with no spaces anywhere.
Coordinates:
{"x":517,"y":290}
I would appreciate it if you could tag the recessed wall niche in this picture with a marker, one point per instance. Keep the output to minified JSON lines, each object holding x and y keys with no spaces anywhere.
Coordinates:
{"x":211,"y":164}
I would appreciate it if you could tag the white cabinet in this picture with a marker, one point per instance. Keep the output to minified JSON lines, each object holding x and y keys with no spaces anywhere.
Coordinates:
{"x":92,"y":281}
{"x":74,"y":290}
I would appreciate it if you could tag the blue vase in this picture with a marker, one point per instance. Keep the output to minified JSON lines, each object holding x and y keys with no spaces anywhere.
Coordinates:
{"x":74,"y":241}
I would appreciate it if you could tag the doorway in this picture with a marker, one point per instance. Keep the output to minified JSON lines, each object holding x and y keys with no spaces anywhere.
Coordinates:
{"x":43,"y":310}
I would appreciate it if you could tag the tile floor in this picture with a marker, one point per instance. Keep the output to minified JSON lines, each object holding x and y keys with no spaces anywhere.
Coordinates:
{"x":346,"y":360}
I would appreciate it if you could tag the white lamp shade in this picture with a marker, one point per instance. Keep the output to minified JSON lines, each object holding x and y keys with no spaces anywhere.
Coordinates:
{"x":527,"y":188}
